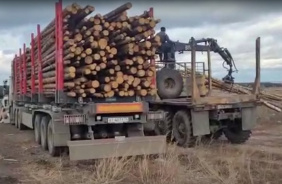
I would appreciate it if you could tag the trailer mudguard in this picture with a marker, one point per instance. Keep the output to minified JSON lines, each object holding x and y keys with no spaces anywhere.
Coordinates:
{"x":200,"y":122}
{"x":27,"y":119}
{"x":249,"y":118}
{"x":61,"y":130}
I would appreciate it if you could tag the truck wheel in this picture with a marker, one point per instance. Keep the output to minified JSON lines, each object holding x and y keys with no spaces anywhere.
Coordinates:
{"x":236,"y":135}
{"x":182,"y":129}
{"x":43,"y":132}
{"x":165,"y":127}
{"x":37,"y":135}
{"x":216,"y":135}
{"x":13,"y":122}
{"x":53,"y":150}
{"x":169,"y":83}
{"x":20,"y":126}
{"x":16,"y":118}
{"x":11,"y":115}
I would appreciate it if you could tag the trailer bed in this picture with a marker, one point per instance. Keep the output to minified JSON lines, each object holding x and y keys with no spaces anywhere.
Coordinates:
{"x":215,"y":101}
{"x":176,"y":101}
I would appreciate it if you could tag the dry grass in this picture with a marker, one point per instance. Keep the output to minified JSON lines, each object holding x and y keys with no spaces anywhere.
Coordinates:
{"x":203,"y":164}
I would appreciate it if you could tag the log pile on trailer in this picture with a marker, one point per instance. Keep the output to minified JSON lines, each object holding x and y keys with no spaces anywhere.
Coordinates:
{"x":103,"y":55}
{"x":27,"y":55}
{"x":17,"y":81}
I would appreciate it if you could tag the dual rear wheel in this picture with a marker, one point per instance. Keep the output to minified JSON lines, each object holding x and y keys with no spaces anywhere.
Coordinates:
{"x":43,"y":133}
{"x":18,"y":120}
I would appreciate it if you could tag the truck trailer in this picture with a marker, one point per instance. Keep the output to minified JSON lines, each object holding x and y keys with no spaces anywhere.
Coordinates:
{"x":115,"y":126}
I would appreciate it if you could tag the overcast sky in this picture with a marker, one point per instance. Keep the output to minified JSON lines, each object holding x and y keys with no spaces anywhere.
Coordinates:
{"x":235,"y":24}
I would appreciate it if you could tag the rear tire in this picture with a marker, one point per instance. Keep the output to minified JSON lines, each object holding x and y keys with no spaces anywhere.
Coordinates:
{"x":214,"y":136}
{"x":182,"y":129}
{"x":43,"y":132}
{"x":236,"y":135}
{"x":15,"y":118}
{"x":165,"y":127}
{"x":169,"y":83}
{"x":53,"y":150}
{"x":20,"y":126}
{"x":12,"y":116}
{"x":37,"y":135}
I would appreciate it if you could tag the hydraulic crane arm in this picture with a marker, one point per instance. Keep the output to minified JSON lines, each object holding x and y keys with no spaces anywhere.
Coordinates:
{"x":212,"y":45}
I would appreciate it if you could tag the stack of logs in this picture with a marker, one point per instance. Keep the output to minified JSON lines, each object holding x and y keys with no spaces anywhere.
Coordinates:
{"x":272,"y":101}
{"x":103,"y":55}
{"x":17,"y":68}
{"x":28,"y":69}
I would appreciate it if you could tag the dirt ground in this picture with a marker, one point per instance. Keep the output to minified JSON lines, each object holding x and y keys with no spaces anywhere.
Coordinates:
{"x":257,"y":161}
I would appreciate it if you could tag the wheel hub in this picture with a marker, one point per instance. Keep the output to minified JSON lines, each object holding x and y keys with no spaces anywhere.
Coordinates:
{"x":169,"y":83}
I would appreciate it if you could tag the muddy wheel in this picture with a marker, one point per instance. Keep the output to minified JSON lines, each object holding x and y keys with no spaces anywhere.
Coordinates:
{"x":216,"y":135}
{"x":53,"y":150}
{"x":15,"y":118}
{"x":20,"y":126}
{"x":182,"y":129}
{"x":169,"y":83}
{"x":165,"y":127}
{"x":236,"y":135}
{"x":18,"y":119}
{"x":43,"y":132}
{"x":37,"y":122}
{"x":11,"y":115}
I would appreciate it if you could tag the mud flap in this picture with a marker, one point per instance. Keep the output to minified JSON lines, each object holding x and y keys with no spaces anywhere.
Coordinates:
{"x":200,"y":122}
{"x":119,"y":147}
{"x":249,"y":118}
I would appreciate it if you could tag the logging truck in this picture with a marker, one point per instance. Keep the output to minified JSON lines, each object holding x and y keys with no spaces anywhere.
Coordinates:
{"x":91,"y":85}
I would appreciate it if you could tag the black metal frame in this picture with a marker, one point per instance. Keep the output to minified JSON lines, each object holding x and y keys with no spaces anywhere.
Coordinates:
{"x":195,"y":89}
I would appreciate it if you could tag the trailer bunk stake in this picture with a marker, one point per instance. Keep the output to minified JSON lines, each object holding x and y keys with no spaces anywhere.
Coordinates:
{"x":32,"y":68}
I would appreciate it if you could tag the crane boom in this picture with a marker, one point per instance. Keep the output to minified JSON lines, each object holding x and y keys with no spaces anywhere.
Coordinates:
{"x":210,"y":45}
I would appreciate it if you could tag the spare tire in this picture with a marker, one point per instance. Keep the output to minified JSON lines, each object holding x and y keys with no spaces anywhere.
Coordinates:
{"x":169,"y":83}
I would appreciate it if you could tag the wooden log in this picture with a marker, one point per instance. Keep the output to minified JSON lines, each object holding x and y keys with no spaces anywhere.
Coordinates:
{"x":140,"y":73}
{"x":142,"y":92}
{"x":83,"y":13}
{"x":68,"y":70}
{"x":71,"y":94}
{"x":102,"y":43}
{"x":53,"y":66}
{"x":118,"y":10}
{"x":92,"y":84}
{"x":109,"y":94}
{"x":105,"y":87}
{"x":53,"y":85}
